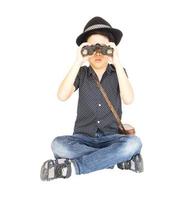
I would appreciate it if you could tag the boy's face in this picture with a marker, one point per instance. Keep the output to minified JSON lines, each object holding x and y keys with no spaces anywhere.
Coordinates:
{"x":98,"y":60}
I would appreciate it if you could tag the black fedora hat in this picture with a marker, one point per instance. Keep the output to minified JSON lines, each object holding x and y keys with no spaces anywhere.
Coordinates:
{"x":98,"y":24}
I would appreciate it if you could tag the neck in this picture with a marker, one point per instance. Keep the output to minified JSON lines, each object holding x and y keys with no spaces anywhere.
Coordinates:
{"x":100,"y":70}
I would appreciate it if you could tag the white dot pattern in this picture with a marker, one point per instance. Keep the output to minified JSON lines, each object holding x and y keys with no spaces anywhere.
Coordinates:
{"x":96,"y":26}
{"x":92,"y":111}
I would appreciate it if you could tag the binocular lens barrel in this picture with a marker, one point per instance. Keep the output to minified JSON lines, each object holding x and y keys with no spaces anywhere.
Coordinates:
{"x":89,"y":50}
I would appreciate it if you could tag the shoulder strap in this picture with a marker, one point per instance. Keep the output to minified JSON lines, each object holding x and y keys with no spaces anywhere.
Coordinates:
{"x":120,"y":125}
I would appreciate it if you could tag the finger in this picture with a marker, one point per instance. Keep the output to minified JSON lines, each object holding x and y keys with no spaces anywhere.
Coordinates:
{"x":84,"y":44}
{"x":112,"y":44}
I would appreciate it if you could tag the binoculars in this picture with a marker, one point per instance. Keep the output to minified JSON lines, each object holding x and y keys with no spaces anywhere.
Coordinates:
{"x":103,"y":49}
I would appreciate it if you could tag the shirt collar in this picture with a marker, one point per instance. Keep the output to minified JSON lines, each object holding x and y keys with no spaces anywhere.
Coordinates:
{"x":110,"y":68}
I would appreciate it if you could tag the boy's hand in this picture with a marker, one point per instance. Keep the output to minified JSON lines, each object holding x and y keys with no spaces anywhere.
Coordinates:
{"x":115,"y":58}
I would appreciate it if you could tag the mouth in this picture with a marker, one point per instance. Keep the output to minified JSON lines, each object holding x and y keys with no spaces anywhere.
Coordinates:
{"x":98,"y":59}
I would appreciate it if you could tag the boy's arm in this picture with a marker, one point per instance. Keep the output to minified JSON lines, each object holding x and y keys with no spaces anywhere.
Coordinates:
{"x":126,"y":90}
{"x":67,"y":87}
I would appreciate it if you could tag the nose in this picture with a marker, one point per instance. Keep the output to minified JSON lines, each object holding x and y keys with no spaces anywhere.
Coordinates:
{"x":97,"y":52}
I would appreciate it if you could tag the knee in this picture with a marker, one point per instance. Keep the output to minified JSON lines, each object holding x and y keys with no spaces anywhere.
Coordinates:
{"x":132,"y":146}
{"x":58,"y":144}
{"x":55,"y":143}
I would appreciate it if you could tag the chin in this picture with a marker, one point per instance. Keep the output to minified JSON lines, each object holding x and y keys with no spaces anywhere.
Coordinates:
{"x":100,"y":65}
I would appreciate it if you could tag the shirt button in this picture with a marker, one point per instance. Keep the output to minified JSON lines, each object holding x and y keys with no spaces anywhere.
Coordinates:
{"x":98,"y":122}
{"x":99,"y":104}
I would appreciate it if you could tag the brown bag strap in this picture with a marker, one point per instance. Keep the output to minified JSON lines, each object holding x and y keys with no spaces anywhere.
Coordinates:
{"x":120,"y":125}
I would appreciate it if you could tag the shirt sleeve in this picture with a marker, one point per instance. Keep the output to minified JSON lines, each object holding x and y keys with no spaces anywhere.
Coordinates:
{"x":126,"y":72}
{"x":77,"y":80}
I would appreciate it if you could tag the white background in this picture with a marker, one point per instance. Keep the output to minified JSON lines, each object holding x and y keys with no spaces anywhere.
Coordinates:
{"x":37,"y":49}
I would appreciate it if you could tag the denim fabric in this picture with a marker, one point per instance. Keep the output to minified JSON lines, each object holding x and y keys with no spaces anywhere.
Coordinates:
{"x":101,"y":151}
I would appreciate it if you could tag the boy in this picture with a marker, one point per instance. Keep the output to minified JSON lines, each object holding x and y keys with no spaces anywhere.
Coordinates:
{"x":95,"y":143}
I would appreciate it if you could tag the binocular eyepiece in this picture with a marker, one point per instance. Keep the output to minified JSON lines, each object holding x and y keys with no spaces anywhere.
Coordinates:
{"x":103,"y":49}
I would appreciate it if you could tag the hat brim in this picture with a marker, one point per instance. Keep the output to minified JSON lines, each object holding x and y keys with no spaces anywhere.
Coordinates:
{"x":117,"y":34}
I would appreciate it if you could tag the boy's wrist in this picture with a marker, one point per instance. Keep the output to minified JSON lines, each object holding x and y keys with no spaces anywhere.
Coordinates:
{"x":78,"y":62}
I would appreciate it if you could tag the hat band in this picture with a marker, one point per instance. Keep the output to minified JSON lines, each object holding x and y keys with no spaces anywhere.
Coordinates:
{"x":96,"y":26}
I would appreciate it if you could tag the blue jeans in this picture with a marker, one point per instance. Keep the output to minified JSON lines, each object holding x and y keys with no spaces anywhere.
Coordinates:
{"x":102,"y":151}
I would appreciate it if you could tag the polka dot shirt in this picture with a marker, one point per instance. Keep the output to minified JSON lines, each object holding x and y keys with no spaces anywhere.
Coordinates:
{"x":93,"y":113}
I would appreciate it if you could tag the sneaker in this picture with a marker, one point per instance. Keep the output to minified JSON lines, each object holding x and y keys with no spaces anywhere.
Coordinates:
{"x":135,"y":164}
{"x":52,"y":169}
